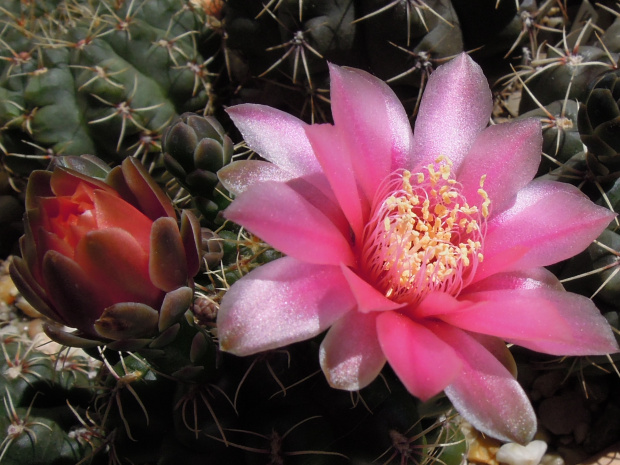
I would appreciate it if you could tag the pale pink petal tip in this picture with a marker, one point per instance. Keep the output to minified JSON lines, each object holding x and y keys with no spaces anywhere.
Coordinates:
{"x":548,"y":222}
{"x":238,"y":176}
{"x":486,"y":394}
{"x":279,"y":303}
{"x":455,"y":107}
{"x":276,"y":136}
{"x":373,"y":122}
{"x":507,"y":155}
{"x":350,"y":354}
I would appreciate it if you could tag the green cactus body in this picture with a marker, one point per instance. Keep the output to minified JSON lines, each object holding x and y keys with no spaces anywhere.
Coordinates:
{"x":96,"y":80}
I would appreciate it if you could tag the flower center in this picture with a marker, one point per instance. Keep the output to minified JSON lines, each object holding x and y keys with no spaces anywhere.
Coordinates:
{"x":423,"y":236}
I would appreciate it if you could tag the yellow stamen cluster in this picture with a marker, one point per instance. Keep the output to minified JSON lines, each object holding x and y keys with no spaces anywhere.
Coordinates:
{"x":424,"y":236}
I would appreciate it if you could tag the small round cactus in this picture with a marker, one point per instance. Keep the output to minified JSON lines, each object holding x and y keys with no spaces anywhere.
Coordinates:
{"x":195,"y":148}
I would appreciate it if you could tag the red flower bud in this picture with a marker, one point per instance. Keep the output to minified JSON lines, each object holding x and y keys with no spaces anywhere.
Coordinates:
{"x":101,"y":256}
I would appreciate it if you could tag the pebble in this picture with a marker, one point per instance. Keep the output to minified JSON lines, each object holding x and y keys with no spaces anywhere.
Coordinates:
{"x":516,"y":454}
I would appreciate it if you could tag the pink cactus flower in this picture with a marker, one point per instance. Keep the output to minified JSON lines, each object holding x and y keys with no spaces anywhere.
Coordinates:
{"x":421,"y":249}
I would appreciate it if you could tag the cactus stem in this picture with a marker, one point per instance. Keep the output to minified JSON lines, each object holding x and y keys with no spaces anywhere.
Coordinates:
{"x":171,"y":45}
{"x":124,"y":381}
{"x":17,"y":59}
{"x":191,"y":398}
{"x":25,"y":119}
{"x":610,"y":57}
{"x":100,"y":73}
{"x":18,"y":426}
{"x":201,"y":73}
{"x":418,"y":5}
{"x":566,"y":57}
{"x":416,"y":446}
{"x":123,"y":24}
{"x":90,"y":433}
{"x":148,"y":142}
{"x":275,"y":444}
{"x":266,"y":8}
{"x":264,"y":358}
{"x":20,"y":366}
{"x":559,"y":122}
{"x":47,"y":153}
{"x":297,"y":44}
{"x":531,"y":23}
{"x":125,"y":111}
{"x":65,"y":361}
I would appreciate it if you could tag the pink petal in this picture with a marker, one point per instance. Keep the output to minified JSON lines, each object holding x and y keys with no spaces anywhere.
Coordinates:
{"x":282,"y":217}
{"x":508,"y":154}
{"x":373,"y":121}
{"x":279,"y":303}
{"x":424,"y":363}
{"x":499,"y":350}
{"x":533,"y":278}
{"x":113,"y":212}
{"x":368,"y":298}
{"x":438,"y":303}
{"x":238,"y":176}
{"x":327,"y":204}
{"x":455,"y":107}
{"x":335,"y":159}
{"x":350,"y":354}
{"x":485,"y":393}
{"x":548,"y":222}
{"x":276,"y":136}
{"x":561,"y":323}
{"x":46,"y":240}
{"x":509,"y":314}
{"x":30,"y":288}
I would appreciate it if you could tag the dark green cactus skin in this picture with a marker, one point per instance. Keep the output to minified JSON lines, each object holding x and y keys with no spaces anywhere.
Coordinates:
{"x":396,"y":37}
{"x":599,"y":118}
{"x":561,"y":137}
{"x":288,"y":49}
{"x":566,"y":77}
